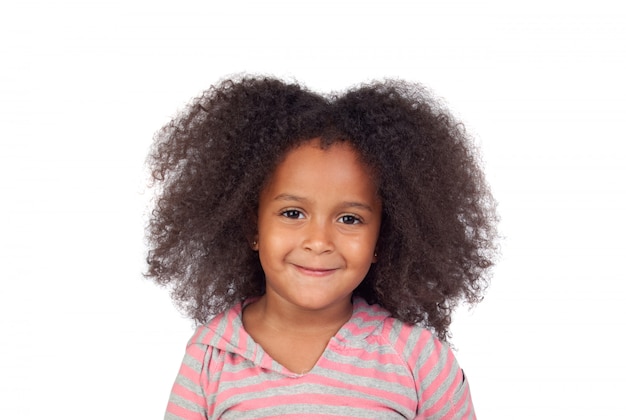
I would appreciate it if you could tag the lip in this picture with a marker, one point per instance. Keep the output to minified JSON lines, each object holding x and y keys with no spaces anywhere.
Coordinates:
{"x":314,"y":271}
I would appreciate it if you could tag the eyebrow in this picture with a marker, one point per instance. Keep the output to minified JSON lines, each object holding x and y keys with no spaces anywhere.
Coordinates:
{"x":291,"y":197}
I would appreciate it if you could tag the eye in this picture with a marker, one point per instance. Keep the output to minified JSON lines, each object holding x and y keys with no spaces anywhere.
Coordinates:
{"x":350,"y":219}
{"x":292,"y":214}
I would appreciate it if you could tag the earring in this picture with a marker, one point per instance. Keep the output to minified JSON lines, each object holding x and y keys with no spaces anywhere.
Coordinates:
{"x":255,"y":245}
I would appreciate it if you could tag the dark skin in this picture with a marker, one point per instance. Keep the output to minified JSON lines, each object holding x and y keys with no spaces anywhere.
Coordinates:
{"x":295,"y":339}
{"x":318,"y":223}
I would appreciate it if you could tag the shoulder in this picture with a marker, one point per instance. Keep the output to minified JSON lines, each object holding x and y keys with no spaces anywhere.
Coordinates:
{"x":223,"y":325}
{"x":441,"y":386}
{"x":224,"y":334}
{"x":420,"y":350}
{"x":408,"y":340}
{"x":414,"y":343}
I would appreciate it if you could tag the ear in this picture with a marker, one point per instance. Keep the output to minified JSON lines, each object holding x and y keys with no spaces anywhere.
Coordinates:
{"x":254,"y":243}
{"x":253,"y":231}
{"x":375,"y":257}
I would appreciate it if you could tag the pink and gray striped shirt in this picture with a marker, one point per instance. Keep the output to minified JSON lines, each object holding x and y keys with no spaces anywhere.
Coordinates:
{"x":375,"y":367}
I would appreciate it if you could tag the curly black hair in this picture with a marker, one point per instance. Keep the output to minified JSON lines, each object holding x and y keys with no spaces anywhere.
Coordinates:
{"x":438,"y":232}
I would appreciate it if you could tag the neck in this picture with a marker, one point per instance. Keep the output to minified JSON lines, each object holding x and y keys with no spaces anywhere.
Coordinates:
{"x":286,"y":318}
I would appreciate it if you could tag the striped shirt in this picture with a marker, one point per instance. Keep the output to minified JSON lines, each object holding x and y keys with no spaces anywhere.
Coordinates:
{"x":375,"y":367}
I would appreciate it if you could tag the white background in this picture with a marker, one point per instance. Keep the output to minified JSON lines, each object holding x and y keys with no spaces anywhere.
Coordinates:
{"x":85,"y":84}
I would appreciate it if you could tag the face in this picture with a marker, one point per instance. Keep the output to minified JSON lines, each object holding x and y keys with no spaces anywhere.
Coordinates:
{"x":318,"y":223}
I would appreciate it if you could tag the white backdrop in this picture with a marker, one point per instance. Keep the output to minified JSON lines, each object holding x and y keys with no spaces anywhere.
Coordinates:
{"x":85,"y":84}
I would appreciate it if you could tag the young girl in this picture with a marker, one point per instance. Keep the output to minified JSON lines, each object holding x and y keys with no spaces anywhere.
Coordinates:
{"x":322,"y":242}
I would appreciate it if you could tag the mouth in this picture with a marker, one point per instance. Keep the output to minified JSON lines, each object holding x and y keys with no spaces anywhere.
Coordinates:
{"x":315,"y":271}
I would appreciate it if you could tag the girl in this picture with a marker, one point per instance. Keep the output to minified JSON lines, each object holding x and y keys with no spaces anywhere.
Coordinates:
{"x":322,"y":243}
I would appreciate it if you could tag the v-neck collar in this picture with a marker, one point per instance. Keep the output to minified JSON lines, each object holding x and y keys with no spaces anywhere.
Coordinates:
{"x":226,"y":332}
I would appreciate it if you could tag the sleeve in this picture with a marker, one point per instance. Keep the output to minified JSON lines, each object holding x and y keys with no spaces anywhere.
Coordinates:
{"x":443,"y":391}
{"x":187,"y":399}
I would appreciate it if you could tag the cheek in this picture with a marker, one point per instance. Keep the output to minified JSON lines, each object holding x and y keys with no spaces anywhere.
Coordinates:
{"x":273,"y":245}
{"x":361,"y":250}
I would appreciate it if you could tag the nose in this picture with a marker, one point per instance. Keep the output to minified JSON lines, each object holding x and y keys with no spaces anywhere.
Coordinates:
{"x":318,"y":237}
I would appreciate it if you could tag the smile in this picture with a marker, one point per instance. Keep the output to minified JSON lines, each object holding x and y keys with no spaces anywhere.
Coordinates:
{"x":316,"y":272}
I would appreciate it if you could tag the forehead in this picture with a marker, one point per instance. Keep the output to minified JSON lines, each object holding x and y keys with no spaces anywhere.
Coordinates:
{"x":323,"y":170}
